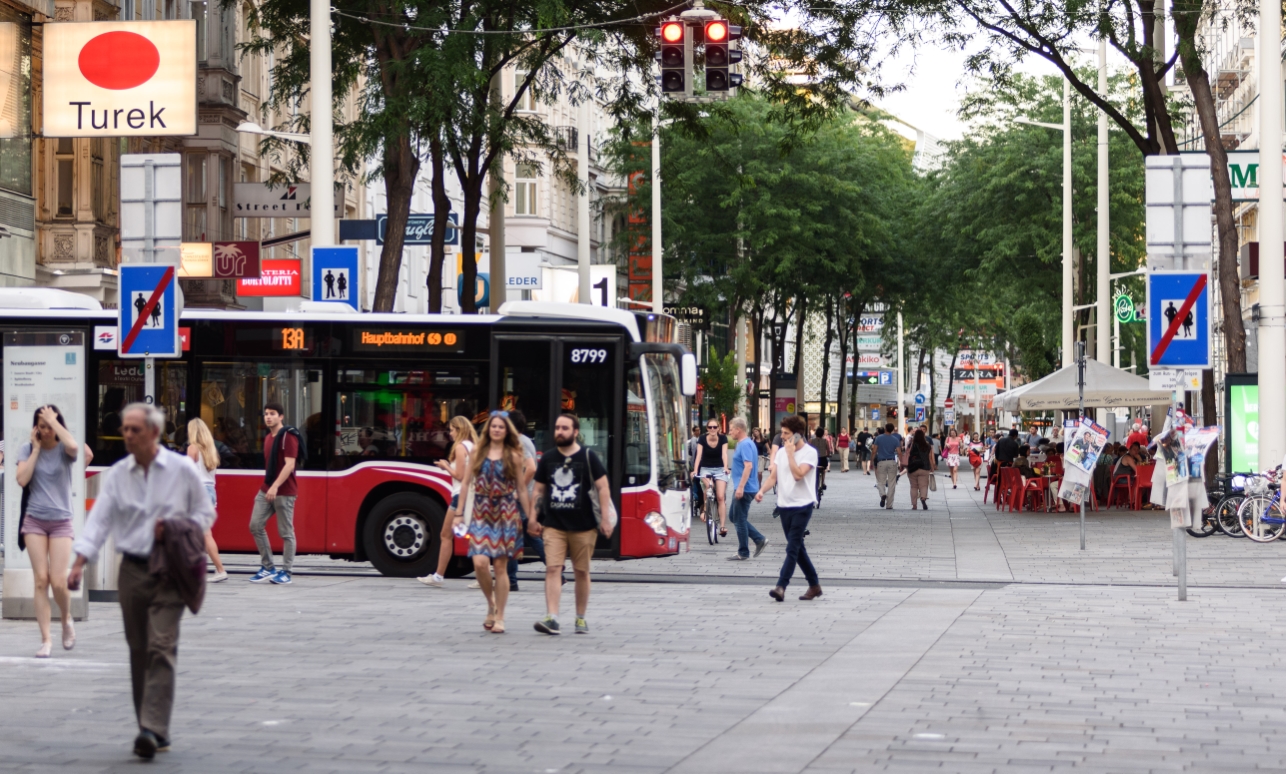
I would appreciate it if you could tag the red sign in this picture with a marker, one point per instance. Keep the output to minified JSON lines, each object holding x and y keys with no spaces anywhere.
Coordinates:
{"x":276,"y":278}
{"x":185,"y":339}
{"x":239,"y":260}
{"x":949,"y":403}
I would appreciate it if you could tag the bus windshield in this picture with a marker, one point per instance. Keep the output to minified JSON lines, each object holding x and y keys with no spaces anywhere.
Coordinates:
{"x":663,"y":383}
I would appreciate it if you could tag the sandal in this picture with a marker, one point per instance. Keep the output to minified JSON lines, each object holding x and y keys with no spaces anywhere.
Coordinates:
{"x":498,"y":627}
{"x":490,"y":621}
{"x":723,"y":532}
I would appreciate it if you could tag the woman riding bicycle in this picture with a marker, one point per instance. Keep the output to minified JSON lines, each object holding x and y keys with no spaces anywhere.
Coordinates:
{"x":711,"y":460}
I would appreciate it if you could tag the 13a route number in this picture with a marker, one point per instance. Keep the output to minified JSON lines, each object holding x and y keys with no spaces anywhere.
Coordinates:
{"x":589,"y":356}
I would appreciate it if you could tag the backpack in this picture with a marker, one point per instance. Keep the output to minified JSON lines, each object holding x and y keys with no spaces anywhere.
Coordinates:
{"x":270,"y":459}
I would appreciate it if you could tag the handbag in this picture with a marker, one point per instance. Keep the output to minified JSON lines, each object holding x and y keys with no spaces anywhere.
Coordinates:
{"x":933,"y":483}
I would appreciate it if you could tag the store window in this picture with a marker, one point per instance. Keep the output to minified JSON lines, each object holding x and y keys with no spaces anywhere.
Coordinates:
{"x":233,"y":395}
{"x":525,"y":189}
{"x":194,"y":227}
{"x":15,"y":101}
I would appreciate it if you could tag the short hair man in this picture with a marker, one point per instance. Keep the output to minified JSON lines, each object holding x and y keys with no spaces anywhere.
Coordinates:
{"x":137,"y":495}
{"x":276,"y":496}
{"x":888,"y":449}
{"x":796,"y":464}
{"x":745,"y":479}
{"x":565,"y":517}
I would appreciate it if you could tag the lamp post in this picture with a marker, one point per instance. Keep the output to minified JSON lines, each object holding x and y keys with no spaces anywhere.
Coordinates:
{"x":1104,"y":263}
{"x":321,"y":160}
{"x":1272,"y":288}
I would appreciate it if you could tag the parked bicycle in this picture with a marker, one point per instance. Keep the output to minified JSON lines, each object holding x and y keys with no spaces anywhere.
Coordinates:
{"x":1261,"y":517}
{"x":1225,"y":497}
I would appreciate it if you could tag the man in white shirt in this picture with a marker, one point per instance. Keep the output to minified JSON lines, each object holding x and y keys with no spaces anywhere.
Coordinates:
{"x":138,"y":494}
{"x":794,"y":472}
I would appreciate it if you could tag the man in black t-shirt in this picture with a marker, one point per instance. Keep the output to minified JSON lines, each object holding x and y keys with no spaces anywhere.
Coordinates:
{"x":864,"y":451}
{"x":567,"y":517}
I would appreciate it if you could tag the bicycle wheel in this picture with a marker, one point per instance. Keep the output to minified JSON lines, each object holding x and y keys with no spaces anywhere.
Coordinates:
{"x":1206,"y":527}
{"x":712,"y":519}
{"x":1261,"y":519}
{"x":1226,"y":515}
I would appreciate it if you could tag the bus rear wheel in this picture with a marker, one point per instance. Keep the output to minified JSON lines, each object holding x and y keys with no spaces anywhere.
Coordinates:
{"x":402,"y":535}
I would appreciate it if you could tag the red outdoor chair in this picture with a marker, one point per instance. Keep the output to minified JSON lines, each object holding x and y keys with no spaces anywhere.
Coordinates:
{"x":993,"y":482}
{"x":1142,"y":481}
{"x":1010,"y":488}
{"x":1122,"y":488}
{"x":1033,"y":491}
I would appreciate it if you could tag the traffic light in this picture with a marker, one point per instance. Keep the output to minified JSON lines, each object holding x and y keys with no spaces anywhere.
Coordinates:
{"x":673,"y":57}
{"x":720,"y":55}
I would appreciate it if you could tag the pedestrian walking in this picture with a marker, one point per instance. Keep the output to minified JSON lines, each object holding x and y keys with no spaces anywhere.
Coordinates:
{"x":712,"y":462}
{"x":45,"y":465}
{"x":919,"y":464}
{"x":822,"y":447}
{"x":525,"y":541}
{"x":794,"y":472}
{"x":276,"y":496}
{"x":567,"y":518}
{"x":888,"y":452}
{"x":977,"y":451}
{"x":463,"y":438}
{"x":864,"y":449}
{"x":142,"y":503}
{"x":496,"y":482}
{"x":843,"y":442}
{"x":952,"y":451}
{"x":745,"y":480}
{"x":202,"y":452}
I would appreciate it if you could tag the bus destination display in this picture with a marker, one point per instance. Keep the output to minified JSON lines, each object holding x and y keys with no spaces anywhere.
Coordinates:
{"x":395,"y":340}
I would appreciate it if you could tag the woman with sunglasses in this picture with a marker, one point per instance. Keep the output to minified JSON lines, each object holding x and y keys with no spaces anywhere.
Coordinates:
{"x":496,"y":478}
{"x":712,"y":462}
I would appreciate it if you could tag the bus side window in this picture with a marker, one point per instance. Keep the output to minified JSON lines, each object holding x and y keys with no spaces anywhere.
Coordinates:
{"x":233,"y":395}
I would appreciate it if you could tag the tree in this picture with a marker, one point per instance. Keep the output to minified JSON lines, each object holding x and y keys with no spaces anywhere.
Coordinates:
{"x":719,"y":383}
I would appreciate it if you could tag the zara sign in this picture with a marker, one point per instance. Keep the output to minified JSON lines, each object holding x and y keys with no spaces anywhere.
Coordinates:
{"x":119,"y":79}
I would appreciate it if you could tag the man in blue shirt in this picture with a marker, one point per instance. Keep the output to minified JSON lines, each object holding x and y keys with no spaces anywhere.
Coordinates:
{"x":746,"y":480}
{"x":888,"y":447}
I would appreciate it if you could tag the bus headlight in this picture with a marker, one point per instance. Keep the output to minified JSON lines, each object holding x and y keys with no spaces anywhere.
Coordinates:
{"x":657,"y":522}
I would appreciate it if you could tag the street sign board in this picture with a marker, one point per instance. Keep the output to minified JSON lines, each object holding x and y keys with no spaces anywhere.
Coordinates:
{"x":886,"y":378}
{"x":419,"y":229}
{"x":1178,"y":319}
{"x":1175,"y":379}
{"x":875,"y":415}
{"x":919,"y":399}
{"x":948,"y":403}
{"x":149,"y":313}
{"x":235,"y":260}
{"x":335,"y":278}
{"x":919,"y":413}
{"x":949,"y":416}
{"x":1177,"y":194}
{"x":286,"y":200}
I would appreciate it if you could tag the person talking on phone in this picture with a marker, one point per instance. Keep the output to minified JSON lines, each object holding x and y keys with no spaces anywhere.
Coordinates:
{"x":138,"y":495}
{"x":796,"y":466}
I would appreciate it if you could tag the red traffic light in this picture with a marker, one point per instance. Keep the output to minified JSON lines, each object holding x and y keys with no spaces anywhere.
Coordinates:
{"x":717,"y":31}
{"x":672,"y":32}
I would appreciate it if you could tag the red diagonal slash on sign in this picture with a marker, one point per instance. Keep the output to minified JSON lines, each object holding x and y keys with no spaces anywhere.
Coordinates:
{"x":166,"y":279}
{"x":1188,"y":303}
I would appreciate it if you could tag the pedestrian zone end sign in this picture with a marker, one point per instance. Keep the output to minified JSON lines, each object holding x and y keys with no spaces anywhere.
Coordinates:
{"x":1178,"y":319}
{"x":148,"y":310}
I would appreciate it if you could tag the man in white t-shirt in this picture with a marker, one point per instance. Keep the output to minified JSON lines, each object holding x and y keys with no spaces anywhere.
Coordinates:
{"x":794,"y":472}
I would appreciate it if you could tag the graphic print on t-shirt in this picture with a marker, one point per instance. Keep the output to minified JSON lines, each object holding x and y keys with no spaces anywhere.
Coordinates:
{"x":565,"y":488}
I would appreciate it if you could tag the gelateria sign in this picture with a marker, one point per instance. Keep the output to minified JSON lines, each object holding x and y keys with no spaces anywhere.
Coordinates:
{"x":119,"y":79}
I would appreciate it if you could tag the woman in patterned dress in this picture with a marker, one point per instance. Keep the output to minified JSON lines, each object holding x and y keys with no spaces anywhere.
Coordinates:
{"x":495,"y":475}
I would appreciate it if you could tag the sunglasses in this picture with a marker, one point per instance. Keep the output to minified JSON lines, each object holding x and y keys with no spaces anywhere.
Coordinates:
{"x":712,"y":427}
{"x":504,"y":414}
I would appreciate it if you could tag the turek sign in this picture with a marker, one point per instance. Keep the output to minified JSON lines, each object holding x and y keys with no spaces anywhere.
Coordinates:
{"x":120,"y":79}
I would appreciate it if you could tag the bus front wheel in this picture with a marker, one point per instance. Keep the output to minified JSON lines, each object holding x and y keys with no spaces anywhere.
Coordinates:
{"x":402,"y":535}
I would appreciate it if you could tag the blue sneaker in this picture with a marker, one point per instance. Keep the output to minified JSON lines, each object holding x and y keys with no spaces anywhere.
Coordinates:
{"x":263,"y":575}
{"x":281,"y":578}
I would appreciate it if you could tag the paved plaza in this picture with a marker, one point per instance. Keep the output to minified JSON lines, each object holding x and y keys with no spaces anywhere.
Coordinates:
{"x":961,"y":639}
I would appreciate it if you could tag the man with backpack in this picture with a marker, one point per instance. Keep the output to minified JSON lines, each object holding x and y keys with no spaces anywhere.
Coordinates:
{"x":282,"y":448}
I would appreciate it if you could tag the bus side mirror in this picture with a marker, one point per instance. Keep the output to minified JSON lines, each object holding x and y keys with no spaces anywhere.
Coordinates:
{"x":688,"y":374}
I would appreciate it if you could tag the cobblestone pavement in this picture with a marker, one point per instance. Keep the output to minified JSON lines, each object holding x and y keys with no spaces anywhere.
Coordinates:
{"x":909,"y":662}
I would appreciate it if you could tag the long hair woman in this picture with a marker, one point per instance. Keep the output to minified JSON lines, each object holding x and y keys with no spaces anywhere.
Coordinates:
{"x":496,"y":479}
{"x":977,"y":450}
{"x":463,"y":438}
{"x":951,"y":453}
{"x":44,"y":470}
{"x":919,"y":466}
{"x":202,"y":451}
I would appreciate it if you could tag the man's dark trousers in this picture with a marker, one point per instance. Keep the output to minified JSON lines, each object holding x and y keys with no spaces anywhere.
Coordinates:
{"x":150,"y":610}
{"x":794,"y":522}
{"x":746,"y":531}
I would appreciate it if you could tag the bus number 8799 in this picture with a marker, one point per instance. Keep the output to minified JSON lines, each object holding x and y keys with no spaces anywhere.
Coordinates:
{"x":589,"y":356}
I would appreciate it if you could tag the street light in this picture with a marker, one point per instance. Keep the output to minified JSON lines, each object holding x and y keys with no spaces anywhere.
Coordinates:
{"x":249,"y":127}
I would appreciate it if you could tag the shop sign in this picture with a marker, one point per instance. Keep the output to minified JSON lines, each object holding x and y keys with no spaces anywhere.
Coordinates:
{"x":276,"y":278}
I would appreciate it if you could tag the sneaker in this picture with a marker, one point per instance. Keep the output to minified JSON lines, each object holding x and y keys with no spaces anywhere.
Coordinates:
{"x":738,"y":558}
{"x":582,"y":627}
{"x":549,"y":625}
{"x":474,"y":585}
{"x":281,"y":578}
{"x":432,"y":579}
{"x":263,"y":575}
{"x":219,"y":577}
{"x":760,"y":546}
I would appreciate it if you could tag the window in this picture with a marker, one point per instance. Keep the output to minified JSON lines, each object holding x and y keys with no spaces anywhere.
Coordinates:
{"x":120,"y":382}
{"x":225,"y":192}
{"x":528,"y":100}
{"x":194,"y":227}
{"x":15,"y":101}
{"x":232,"y":398}
{"x":524,"y":385}
{"x":65,"y":160}
{"x":400,"y":413}
{"x":198,"y":9}
{"x":525,"y":190}
{"x":250,"y":73}
{"x":587,"y":390}
{"x":638,"y":453}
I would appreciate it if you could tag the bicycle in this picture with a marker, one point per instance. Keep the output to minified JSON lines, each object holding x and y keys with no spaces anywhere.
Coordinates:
{"x":711,"y":508}
{"x":1231,"y":491}
{"x":1256,"y":515}
{"x":1216,"y":496}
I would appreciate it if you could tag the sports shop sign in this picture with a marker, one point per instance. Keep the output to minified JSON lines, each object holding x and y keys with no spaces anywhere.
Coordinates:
{"x":119,"y":79}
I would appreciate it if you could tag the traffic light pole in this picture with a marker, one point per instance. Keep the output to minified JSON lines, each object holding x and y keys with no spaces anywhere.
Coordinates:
{"x":658,"y":295}
{"x":901,"y":381}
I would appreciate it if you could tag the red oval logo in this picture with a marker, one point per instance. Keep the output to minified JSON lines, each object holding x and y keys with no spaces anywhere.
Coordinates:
{"x":119,"y":60}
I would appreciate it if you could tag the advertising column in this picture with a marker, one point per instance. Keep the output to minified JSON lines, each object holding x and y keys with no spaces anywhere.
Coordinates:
{"x":40,"y":368}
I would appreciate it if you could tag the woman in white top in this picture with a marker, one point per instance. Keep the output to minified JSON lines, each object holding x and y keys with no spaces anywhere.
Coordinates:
{"x":457,"y":464}
{"x":201,"y":450}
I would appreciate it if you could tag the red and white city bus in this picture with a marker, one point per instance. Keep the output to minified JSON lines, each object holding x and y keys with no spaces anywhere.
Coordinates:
{"x":372,"y":395}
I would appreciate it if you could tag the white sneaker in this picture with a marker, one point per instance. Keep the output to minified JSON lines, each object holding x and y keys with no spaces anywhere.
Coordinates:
{"x":475,"y":585}
{"x":432,"y":579}
{"x":219,"y":577}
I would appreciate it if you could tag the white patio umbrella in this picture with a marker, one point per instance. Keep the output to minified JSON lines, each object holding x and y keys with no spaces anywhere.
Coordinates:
{"x":1105,"y":386}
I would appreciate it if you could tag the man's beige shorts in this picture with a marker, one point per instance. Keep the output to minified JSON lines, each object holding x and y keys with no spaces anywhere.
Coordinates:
{"x":559,"y":543}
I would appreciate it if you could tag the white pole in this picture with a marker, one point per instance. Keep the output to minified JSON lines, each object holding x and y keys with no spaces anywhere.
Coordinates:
{"x":658,"y":295}
{"x":741,"y":362}
{"x":584,"y":292}
{"x":321,"y":170}
{"x":1272,"y":288}
{"x":1102,"y":333}
{"x":901,"y":381}
{"x":977,"y":396}
{"x":1068,"y":332}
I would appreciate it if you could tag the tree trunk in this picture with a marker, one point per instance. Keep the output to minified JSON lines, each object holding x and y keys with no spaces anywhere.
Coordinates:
{"x":401,"y":166}
{"x":468,"y":246}
{"x":800,"y":313}
{"x":755,"y":334}
{"x":1210,"y":417}
{"x":441,"y":216}
{"x":826,"y":359}
{"x":774,"y":366}
{"x":1186,"y":26}
{"x":844,"y":307}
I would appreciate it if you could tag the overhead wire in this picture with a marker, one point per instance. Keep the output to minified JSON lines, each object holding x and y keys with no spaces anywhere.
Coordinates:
{"x":533,"y":31}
